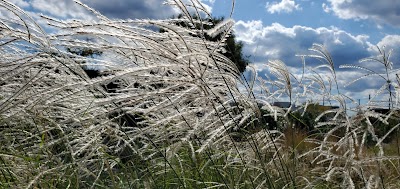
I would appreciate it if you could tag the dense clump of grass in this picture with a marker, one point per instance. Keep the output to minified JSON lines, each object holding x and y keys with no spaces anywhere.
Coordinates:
{"x":176,"y":117}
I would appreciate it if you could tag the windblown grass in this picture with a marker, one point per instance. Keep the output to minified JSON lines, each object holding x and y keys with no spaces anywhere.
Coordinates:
{"x":190,"y":125}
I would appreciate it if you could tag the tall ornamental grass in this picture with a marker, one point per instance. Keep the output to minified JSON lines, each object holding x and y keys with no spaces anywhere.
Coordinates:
{"x":180,"y":114}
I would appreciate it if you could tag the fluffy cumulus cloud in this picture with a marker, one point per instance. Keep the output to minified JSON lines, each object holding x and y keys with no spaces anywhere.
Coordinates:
{"x":275,"y":41}
{"x":390,"y":41}
{"x":279,"y":42}
{"x":285,"y":6}
{"x":382,"y":11}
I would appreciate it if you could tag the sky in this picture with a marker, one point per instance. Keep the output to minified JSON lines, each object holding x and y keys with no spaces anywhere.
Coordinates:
{"x":276,"y":29}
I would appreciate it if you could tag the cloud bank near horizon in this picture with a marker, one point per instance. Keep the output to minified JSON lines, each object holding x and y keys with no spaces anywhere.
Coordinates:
{"x":275,"y":41}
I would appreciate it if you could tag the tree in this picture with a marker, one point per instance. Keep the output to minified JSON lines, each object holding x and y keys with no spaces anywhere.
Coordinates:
{"x":233,"y":48}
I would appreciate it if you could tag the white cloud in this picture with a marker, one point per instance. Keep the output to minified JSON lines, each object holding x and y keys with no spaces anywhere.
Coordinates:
{"x":382,"y":11}
{"x":20,"y":3}
{"x":275,"y":41}
{"x":391,"y":42}
{"x":286,"y":6}
{"x":208,"y":5}
{"x":246,"y":31}
{"x":210,"y":1}
{"x":326,"y":8}
{"x":61,"y":9}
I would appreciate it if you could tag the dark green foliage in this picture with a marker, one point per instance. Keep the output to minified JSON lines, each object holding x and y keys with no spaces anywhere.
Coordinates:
{"x":264,"y":121}
{"x":381,"y":129}
{"x":92,"y":73}
{"x":306,"y":121}
{"x":234,"y":53}
{"x":233,"y":48}
{"x":85,"y":52}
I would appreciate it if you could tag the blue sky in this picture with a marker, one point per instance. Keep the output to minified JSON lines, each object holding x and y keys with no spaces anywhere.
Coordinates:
{"x":309,"y":13}
{"x":275,"y":29}
{"x":350,"y":30}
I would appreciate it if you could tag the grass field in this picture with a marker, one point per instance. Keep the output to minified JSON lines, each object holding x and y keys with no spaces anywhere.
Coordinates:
{"x":180,"y":114}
